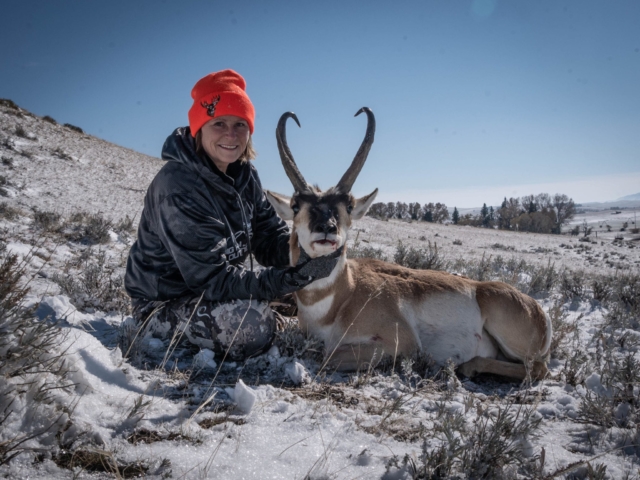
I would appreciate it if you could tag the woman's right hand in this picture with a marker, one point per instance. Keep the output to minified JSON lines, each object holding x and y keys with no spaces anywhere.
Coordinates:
{"x":307,"y":270}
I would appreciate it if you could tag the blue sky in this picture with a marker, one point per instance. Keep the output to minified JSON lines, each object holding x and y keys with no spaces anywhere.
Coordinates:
{"x":474,"y":100}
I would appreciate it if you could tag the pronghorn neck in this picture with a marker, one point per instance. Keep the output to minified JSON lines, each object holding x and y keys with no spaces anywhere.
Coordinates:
{"x":319,"y":302}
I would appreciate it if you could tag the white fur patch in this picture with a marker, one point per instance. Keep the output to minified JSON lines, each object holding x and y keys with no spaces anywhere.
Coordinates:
{"x":447,"y":325}
{"x":313,"y":313}
{"x":486,"y":348}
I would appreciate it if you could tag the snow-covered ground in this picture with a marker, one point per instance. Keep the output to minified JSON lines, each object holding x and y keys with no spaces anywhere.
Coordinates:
{"x":279,"y":415}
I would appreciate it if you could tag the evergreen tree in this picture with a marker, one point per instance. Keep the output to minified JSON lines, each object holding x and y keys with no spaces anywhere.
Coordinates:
{"x":484,"y":213}
{"x":456,"y":216}
{"x":428,"y":216}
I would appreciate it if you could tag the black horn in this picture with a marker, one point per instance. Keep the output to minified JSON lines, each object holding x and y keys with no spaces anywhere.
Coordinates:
{"x":290,"y":167}
{"x":349,"y":178}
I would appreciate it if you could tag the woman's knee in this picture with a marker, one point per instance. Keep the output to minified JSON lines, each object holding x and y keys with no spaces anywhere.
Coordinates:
{"x":237,"y":329}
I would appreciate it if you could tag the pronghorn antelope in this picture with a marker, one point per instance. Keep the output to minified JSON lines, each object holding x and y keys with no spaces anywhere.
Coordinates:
{"x":367,"y":306}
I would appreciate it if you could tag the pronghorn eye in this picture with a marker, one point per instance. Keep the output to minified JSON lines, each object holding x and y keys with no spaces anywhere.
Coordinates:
{"x":349,"y":209}
{"x":295,"y":209}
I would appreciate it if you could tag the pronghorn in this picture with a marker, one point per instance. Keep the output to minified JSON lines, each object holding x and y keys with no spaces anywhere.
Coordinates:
{"x":367,"y":306}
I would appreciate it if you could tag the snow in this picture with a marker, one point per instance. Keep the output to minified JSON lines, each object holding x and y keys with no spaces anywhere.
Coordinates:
{"x":272,"y":417}
{"x":296,"y":372}
{"x":204,"y":358}
{"x":243,"y":397}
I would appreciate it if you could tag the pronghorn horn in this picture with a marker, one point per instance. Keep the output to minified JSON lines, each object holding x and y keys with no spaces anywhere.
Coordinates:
{"x":298,"y":181}
{"x":349,"y":178}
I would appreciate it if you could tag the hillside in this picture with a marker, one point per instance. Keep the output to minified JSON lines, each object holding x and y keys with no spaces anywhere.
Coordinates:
{"x":70,"y":406}
{"x":53,"y":168}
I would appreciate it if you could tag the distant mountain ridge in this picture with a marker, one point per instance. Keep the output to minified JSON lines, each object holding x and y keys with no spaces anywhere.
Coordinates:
{"x":635,"y":196}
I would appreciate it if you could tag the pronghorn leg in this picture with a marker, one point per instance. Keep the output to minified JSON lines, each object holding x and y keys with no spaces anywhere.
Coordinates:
{"x":516,"y":322}
{"x":354,"y":356}
{"x":479,"y":365}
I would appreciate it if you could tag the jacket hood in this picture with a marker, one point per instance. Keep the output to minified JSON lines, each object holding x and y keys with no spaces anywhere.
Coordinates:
{"x":180,"y":147}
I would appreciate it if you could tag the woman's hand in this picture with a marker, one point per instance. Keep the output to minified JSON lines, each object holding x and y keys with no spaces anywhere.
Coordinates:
{"x":307,"y":270}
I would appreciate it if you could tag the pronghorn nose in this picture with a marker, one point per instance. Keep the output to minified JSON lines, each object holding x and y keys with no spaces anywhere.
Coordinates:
{"x":326,"y":228}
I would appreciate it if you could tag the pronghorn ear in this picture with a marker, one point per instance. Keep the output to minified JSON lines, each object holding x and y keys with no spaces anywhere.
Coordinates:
{"x":281,"y":203}
{"x":363,"y":204}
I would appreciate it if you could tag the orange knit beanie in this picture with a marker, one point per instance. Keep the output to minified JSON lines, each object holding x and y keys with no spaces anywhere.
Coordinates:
{"x":217,"y":94}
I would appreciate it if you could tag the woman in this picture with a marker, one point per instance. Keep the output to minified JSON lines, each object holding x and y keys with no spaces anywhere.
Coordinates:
{"x":204,"y":213}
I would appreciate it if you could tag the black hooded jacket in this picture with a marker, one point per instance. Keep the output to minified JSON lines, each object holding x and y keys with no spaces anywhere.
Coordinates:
{"x":197,"y":228}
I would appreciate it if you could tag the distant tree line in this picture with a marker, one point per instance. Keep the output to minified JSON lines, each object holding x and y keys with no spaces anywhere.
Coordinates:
{"x":429,"y":212}
{"x":540,"y":213}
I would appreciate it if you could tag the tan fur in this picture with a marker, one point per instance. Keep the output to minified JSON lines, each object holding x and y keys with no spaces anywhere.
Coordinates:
{"x":368,"y":322}
{"x":367,"y":309}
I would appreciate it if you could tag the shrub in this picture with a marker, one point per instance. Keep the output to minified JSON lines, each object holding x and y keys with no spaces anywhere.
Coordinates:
{"x":31,"y":367}
{"x":87,"y":228}
{"x":8,"y":143}
{"x":420,"y":258}
{"x":601,"y":288}
{"x":577,"y":367}
{"x":366,"y":252}
{"x":486,"y":448}
{"x":3,"y":182}
{"x":573,"y":284}
{"x":97,"y":286}
{"x":482,"y":269}
{"x":5,"y":102}
{"x":500,"y":246}
{"x":8,"y":212}
{"x":58,"y":152}
{"x":48,"y":221}
{"x":543,"y":279}
{"x":49,"y":119}
{"x":564,"y":332}
{"x":7,"y":162}
{"x":74,"y":128}
{"x":125,"y":225}
{"x":20,"y":131}
{"x":292,"y":342}
{"x":618,"y":405}
{"x":626,"y":289}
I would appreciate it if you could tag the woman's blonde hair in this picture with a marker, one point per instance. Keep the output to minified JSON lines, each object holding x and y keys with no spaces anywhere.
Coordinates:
{"x":248,"y":154}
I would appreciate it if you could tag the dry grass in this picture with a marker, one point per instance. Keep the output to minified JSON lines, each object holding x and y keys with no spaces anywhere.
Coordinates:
{"x":99,"y":461}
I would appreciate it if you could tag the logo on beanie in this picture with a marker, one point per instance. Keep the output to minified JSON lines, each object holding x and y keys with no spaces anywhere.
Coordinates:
{"x":211,"y":107}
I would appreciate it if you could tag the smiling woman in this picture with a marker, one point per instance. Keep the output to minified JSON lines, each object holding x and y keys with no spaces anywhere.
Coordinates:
{"x":225,"y":140}
{"x":204,"y":214}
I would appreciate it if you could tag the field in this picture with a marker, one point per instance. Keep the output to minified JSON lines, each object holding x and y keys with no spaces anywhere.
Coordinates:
{"x":71,"y":407}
